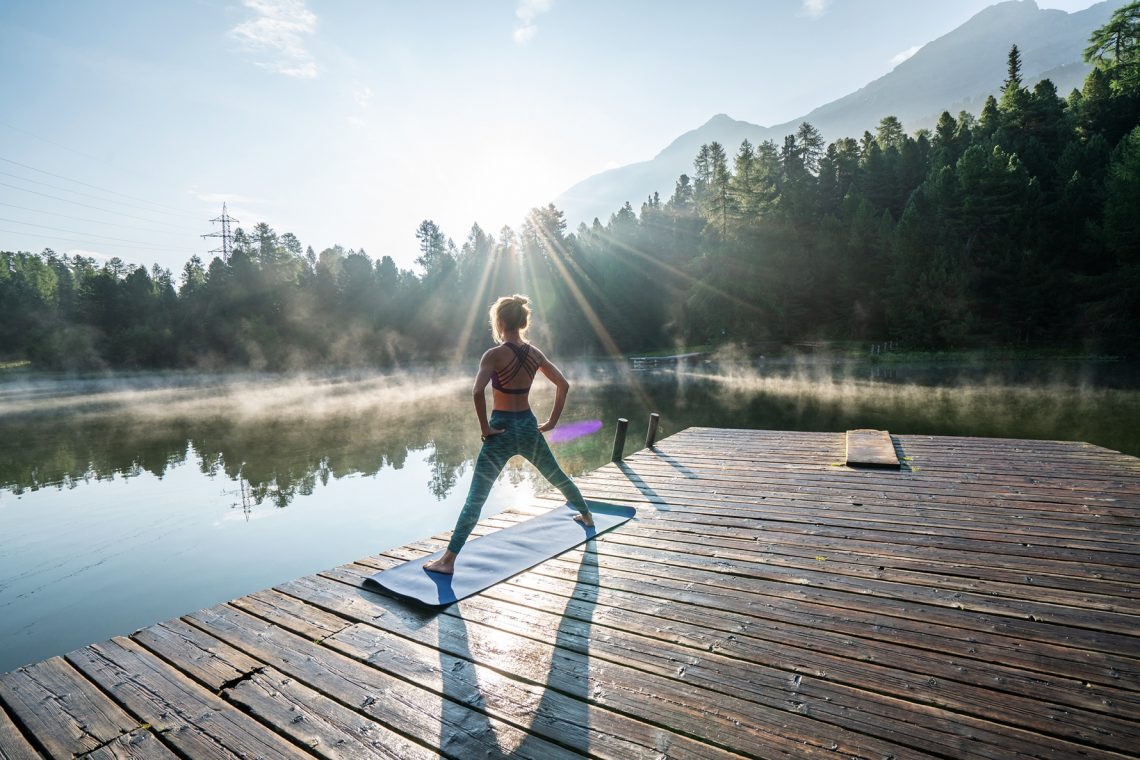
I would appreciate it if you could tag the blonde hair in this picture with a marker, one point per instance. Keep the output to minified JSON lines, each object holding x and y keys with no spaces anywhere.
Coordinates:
{"x":510,"y":313}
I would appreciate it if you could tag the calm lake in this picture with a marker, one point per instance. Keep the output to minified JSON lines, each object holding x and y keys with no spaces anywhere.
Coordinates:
{"x":133,"y":499}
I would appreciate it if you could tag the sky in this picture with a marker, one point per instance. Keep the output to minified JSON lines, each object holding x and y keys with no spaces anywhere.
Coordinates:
{"x":126,"y":124}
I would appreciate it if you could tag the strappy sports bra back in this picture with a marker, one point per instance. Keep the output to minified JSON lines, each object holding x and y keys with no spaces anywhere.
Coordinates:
{"x":524,"y":361}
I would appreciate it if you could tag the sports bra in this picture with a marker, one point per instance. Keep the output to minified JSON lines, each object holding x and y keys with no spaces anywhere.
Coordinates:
{"x":523,"y":361}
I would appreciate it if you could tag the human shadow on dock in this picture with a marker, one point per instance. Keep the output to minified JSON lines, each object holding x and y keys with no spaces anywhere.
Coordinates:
{"x":559,"y":719}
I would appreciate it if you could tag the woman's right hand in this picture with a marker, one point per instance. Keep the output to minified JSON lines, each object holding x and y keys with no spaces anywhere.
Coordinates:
{"x":491,"y":433}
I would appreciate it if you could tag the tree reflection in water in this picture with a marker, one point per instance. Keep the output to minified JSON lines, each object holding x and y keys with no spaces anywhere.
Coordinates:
{"x":277,"y":438}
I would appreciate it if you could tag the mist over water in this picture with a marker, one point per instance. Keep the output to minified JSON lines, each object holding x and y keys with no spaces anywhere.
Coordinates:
{"x":129,"y":499}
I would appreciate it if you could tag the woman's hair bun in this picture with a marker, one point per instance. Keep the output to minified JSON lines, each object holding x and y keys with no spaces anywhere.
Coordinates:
{"x":510,"y":313}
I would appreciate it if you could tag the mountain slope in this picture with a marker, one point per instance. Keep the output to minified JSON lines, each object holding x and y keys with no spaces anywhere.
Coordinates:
{"x":954,"y":72}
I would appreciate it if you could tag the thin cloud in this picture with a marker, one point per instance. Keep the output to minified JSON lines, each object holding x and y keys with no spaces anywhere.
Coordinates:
{"x":223,"y":197}
{"x":364,"y":96}
{"x":244,"y":208}
{"x":277,"y":34}
{"x":905,"y":54}
{"x":90,"y":254}
{"x":815,"y":8}
{"x":526,"y":12}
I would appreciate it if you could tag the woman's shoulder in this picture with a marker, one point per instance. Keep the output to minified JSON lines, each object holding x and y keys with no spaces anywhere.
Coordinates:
{"x":503,"y":352}
{"x":537,"y":353}
{"x":491,"y":355}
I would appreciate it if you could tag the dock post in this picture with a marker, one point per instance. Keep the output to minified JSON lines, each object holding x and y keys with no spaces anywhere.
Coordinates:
{"x":619,"y":439}
{"x":651,"y":435}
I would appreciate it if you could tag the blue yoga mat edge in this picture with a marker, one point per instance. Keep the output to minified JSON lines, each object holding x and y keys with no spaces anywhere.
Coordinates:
{"x":495,"y":557}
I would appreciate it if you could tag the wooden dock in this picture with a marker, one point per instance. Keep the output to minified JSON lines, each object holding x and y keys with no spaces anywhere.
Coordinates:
{"x":659,"y":362}
{"x":768,"y":601}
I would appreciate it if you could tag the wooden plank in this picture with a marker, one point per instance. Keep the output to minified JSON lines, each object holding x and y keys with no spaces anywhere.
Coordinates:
{"x":13,"y":745}
{"x":606,"y":733}
{"x":290,"y":708}
{"x":870,"y":448}
{"x":323,"y":725}
{"x":195,"y":721}
{"x":1037,"y":646}
{"x":942,"y":454}
{"x":747,"y":678}
{"x":137,"y":745}
{"x":987,"y":560}
{"x":741,"y":565}
{"x":723,"y":719}
{"x":430,"y":718}
{"x":202,"y":657}
{"x":1069,"y":550}
{"x":781,"y":640}
{"x":309,"y":622}
{"x":542,"y":713}
{"x":964,"y":654}
{"x":979,"y":561}
{"x":754,"y":547}
{"x":66,"y":713}
{"x":932,"y":477}
{"x":735,"y":685}
{"x":912,"y":485}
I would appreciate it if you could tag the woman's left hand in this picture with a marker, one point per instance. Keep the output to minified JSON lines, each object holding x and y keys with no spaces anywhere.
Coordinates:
{"x":546,"y":426}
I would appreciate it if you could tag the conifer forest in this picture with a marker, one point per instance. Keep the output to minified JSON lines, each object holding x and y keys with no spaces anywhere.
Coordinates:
{"x":1016,"y":226}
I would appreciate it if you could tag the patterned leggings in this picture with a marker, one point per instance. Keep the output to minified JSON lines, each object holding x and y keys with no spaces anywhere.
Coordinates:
{"x":520,"y":436}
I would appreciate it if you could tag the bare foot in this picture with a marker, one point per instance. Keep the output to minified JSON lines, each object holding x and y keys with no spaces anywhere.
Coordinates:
{"x":445,"y":565}
{"x":586,"y":519}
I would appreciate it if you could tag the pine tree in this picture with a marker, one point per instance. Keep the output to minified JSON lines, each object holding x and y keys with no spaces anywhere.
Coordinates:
{"x":811,"y":147}
{"x":1012,"y":71}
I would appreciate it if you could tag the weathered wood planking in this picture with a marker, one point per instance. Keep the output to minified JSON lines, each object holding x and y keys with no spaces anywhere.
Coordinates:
{"x":982,"y":600}
{"x":13,"y":745}
{"x":871,"y":448}
{"x":66,"y":712}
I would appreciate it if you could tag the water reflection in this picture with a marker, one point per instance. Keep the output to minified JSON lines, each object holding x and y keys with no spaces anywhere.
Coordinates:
{"x":276,"y":439}
{"x":124,"y":501}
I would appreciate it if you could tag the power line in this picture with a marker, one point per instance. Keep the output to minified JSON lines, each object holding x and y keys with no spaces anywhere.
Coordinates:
{"x":88,"y":234}
{"x":77,"y":203}
{"x":84,"y":219}
{"x":41,"y":138}
{"x":87,"y":195}
{"x":41,"y":236}
{"x":95,"y":187}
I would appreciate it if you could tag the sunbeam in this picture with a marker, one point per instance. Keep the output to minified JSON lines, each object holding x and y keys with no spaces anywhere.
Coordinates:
{"x":555,"y":253}
{"x":688,"y":278}
{"x":478,"y":299}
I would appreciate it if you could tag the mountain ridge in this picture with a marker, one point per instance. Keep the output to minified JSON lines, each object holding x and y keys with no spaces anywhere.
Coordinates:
{"x":953,"y":72}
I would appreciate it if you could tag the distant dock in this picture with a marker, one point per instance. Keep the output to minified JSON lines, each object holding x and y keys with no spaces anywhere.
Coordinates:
{"x":657,"y":362}
{"x":981,"y":601}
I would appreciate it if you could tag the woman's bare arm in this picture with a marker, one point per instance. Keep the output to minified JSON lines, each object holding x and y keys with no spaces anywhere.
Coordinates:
{"x":486,"y":369}
{"x":562,"y":387}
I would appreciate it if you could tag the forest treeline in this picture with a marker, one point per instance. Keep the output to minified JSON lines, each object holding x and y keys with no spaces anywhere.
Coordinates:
{"x":1017,"y":226}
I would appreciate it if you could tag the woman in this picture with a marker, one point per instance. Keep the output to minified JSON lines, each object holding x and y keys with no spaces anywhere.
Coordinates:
{"x":510,"y":367}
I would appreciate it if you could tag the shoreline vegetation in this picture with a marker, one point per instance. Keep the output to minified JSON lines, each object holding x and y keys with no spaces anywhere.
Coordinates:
{"x":282,"y":435}
{"x":837,"y":352}
{"x":1013,"y":230}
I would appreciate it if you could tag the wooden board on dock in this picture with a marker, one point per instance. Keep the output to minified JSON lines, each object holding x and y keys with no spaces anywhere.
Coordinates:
{"x":655,"y":362}
{"x":871,"y":448}
{"x":768,"y":601}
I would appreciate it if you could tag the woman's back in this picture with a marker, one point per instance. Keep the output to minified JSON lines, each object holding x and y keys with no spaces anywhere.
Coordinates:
{"x":515,"y":366}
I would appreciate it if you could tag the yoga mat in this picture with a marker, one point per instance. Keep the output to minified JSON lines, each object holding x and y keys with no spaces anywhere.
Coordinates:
{"x":489,"y":559}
